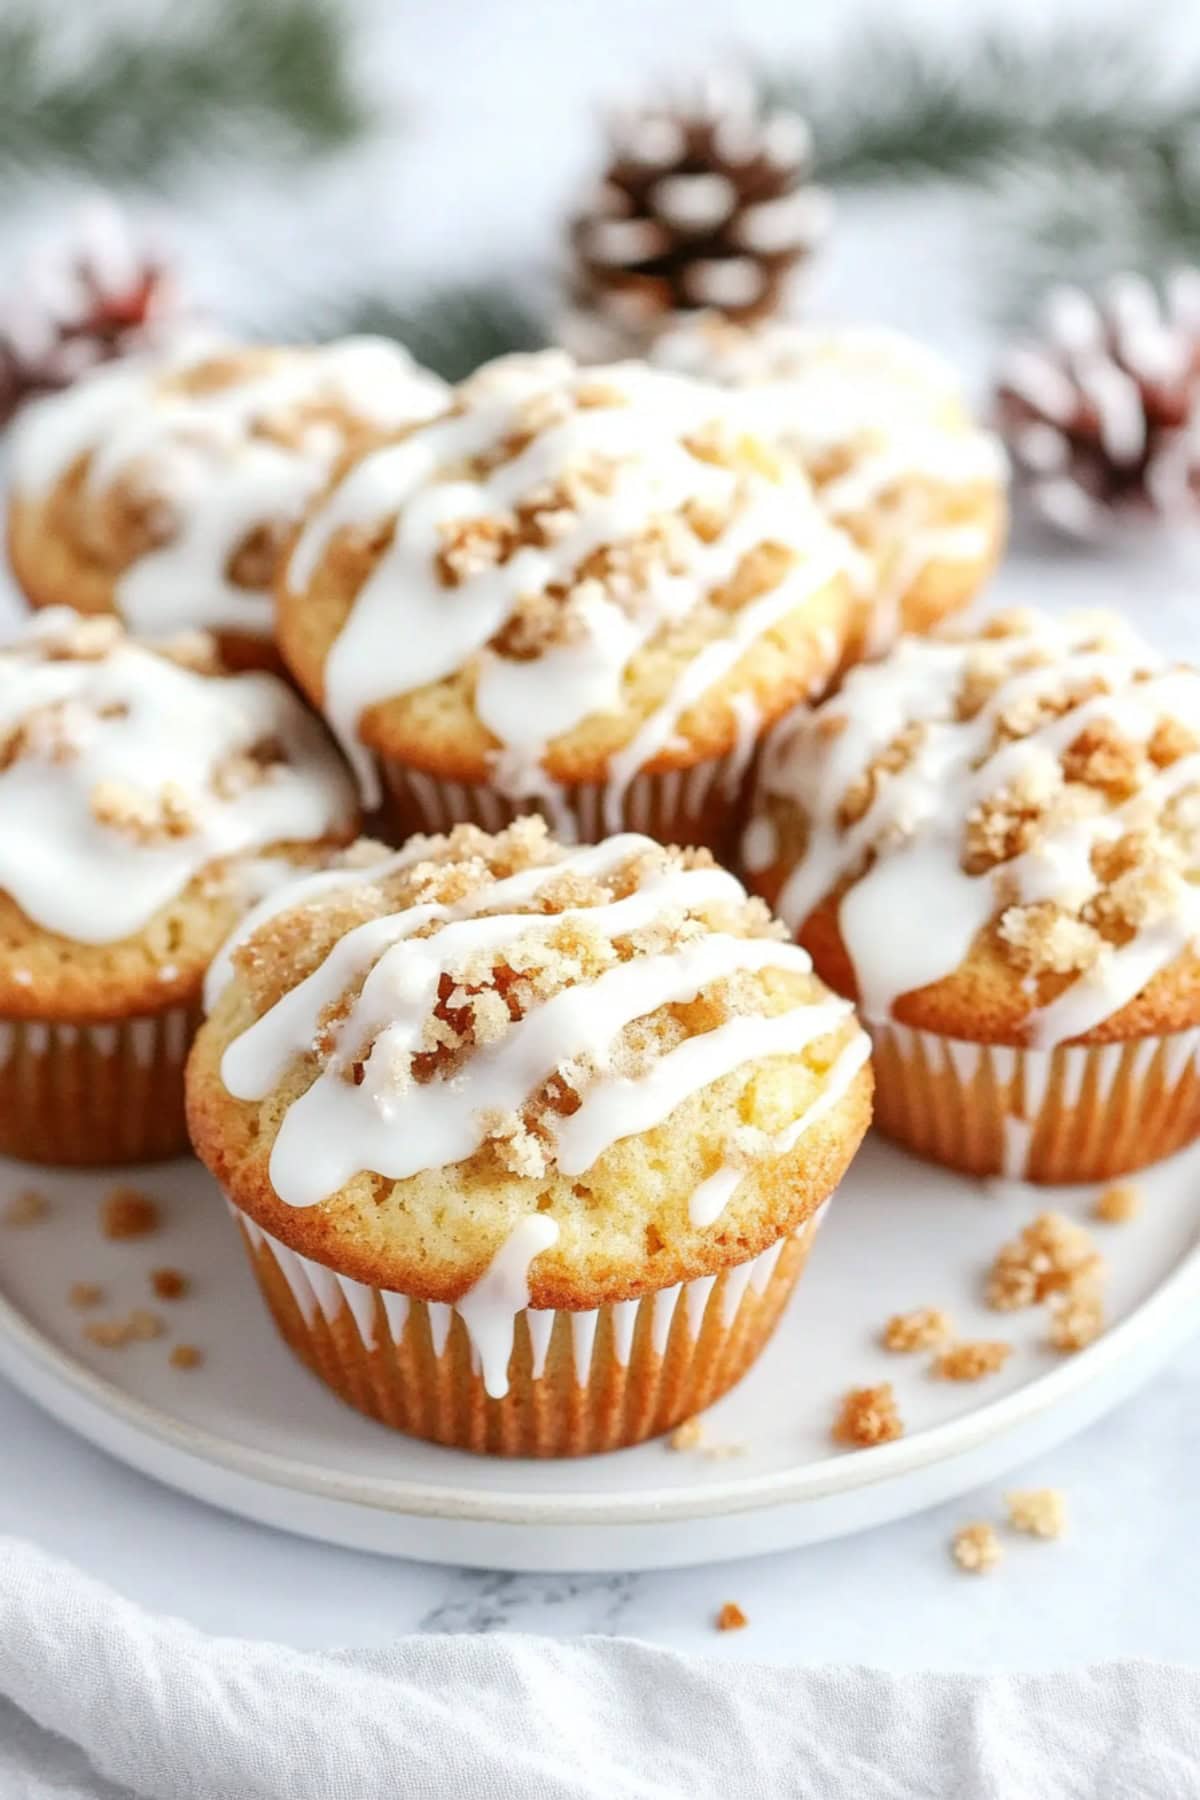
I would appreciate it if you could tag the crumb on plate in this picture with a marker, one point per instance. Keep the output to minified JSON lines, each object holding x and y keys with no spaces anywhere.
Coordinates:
{"x":186,"y":1356}
{"x":169,"y":1284}
{"x":26,"y":1208}
{"x":925,"y":1328}
{"x":1118,"y":1203}
{"x":868,"y":1416}
{"x":126,"y":1212}
{"x":976,"y":1548}
{"x":971,"y":1359}
{"x":1042,"y":1512}
{"x":731,"y":1617}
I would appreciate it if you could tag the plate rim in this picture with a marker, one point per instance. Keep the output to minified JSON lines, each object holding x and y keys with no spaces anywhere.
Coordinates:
{"x":30,"y":1359}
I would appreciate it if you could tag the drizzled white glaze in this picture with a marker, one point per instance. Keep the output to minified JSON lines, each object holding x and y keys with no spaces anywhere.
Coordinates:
{"x":338,"y":1128}
{"x":890,"y":409}
{"x":407,"y":630}
{"x":138,"y":721}
{"x":207,"y":460}
{"x":910,"y":919}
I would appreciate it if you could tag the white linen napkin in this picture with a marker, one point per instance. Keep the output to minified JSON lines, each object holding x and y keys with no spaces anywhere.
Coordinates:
{"x":103,"y":1701}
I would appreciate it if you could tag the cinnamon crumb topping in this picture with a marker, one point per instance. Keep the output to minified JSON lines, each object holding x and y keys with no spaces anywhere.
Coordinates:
{"x":1118,"y":1203}
{"x":976,"y":1548}
{"x":868,"y":1416}
{"x":169,"y":1284}
{"x":926,"y":1328}
{"x":1041,"y":1512}
{"x":127,"y":1212}
{"x":1052,"y":1255}
{"x":26,"y":1208}
{"x":146,"y":818}
{"x":114,"y":1334}
{"x":972,"y":1360}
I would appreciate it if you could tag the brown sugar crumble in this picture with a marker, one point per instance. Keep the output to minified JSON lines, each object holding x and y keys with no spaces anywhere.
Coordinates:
{"x":731,"y":1617}
{"x":1077,"y":1319}
{"x":169,"y":1284}
{"x":26,"y":1208}
{"x":976,"y":1548}
{"x":126,"y":1212}
{"x":926,"y":1328}
{"x":186,"y":1356}
{"x":1118,"y":1203}
{"x":114,"y":1334}
{"x":692,"y":1435}
{"x":972,"y":1359}
{"x":82,"y":1294}
{"x":1040,"y":1512}
{"x":868,"y":1416}
{"x":1052,"y":1255}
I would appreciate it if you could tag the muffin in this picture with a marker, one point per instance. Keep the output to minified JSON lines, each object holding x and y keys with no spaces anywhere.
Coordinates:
{"x":992,"y":842}
{"x":163,"y":488}
{"x":527,"y":1146}
{"x":145,"y":799}
{"x":880,"y":424}
{"x":576,"y":593}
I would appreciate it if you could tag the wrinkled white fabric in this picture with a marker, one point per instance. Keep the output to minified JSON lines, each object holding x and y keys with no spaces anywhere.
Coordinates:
{"x":103,"y":1701}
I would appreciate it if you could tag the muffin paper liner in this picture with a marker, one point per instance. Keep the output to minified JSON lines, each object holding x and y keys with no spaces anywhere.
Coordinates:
{"x":694,"y":806}
{"x":92,"y":1094}
{"x":577,"y":1382}
{"x":1074,"y":1113}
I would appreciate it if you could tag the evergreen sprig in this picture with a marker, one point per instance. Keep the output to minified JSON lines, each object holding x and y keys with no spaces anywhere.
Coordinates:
{"x":896,"y":108}
{"x":133,"y":102}
{"x":449,"y":329}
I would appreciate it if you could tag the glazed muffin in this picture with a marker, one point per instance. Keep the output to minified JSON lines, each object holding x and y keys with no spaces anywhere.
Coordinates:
{"x":992,"y":842}
{"x":575,"y":593}
{"x":146,"y":798}
{"x":880,"y":424}
{"x":163,"y":489}
{"x":527,"y":1145}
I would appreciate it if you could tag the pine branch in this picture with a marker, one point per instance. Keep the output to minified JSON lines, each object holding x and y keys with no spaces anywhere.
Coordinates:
{"x":451,"y":330}
{"x":896,"y":109}
{"x":273,"y":72}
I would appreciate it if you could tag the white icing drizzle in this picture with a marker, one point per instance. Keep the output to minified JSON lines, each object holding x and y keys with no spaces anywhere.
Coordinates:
{"x":407,"y":630}
{"x":212,"y":461}
{"x":910,"y":919}
{"x":894,"y":402}
{"x":490,"y":1308}
{"x":140,"y":722}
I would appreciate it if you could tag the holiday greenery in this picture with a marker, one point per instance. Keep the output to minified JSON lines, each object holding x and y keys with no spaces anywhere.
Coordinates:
{"x":130,"y":103}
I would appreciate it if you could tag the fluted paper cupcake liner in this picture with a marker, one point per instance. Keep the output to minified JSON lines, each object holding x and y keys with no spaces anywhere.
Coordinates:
{"x":1073,"y":1113}
{"x":699,"y":805}
{"x":577,"y":1382}
{"x":95,"y":1093}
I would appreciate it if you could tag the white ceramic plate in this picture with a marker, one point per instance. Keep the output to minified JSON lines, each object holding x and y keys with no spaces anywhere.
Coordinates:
{"x":252,"y":1431}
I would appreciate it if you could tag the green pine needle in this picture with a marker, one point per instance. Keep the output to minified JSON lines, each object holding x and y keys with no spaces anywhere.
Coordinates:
{"x":898,"y":109}
{"x":451,"y":330}
{"x":135,"y":101}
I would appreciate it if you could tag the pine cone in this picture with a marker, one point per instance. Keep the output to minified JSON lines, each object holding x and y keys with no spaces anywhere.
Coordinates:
{"x":1103,"y":415}
{"x":706,"y":206}
{"x":96,"y":295}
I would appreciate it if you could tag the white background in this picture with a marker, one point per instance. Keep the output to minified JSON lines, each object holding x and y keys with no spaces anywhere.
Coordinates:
{"x":493,"y":112}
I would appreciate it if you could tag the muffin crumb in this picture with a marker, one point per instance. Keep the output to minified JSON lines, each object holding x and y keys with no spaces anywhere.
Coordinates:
{"x":114,"y":1334}
{"x":1118,"y":1203}
{"x":82,"y":1294}
{"x":186,"y":1356}
{"x":129,"y":1213}
{"x":1051,"y":1255}
{"x":868,"y":1416}
{"x":26,"y":1208}
{"x":972,"y":1359}
{"x":925,"y":1328}
{"x":1041,"y":1512}
{"x":976,"y":1548}
{"x":687,"y":1436}
{"x":1077,"y":1319}
{"x":169,"y":1284}
{"x":731,"y":1617}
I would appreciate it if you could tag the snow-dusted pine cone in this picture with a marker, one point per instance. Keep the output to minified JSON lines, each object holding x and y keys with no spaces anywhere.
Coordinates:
{"x":96,"y":293}
{"x":1102,"y":412}
{"x":706,"y":205}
